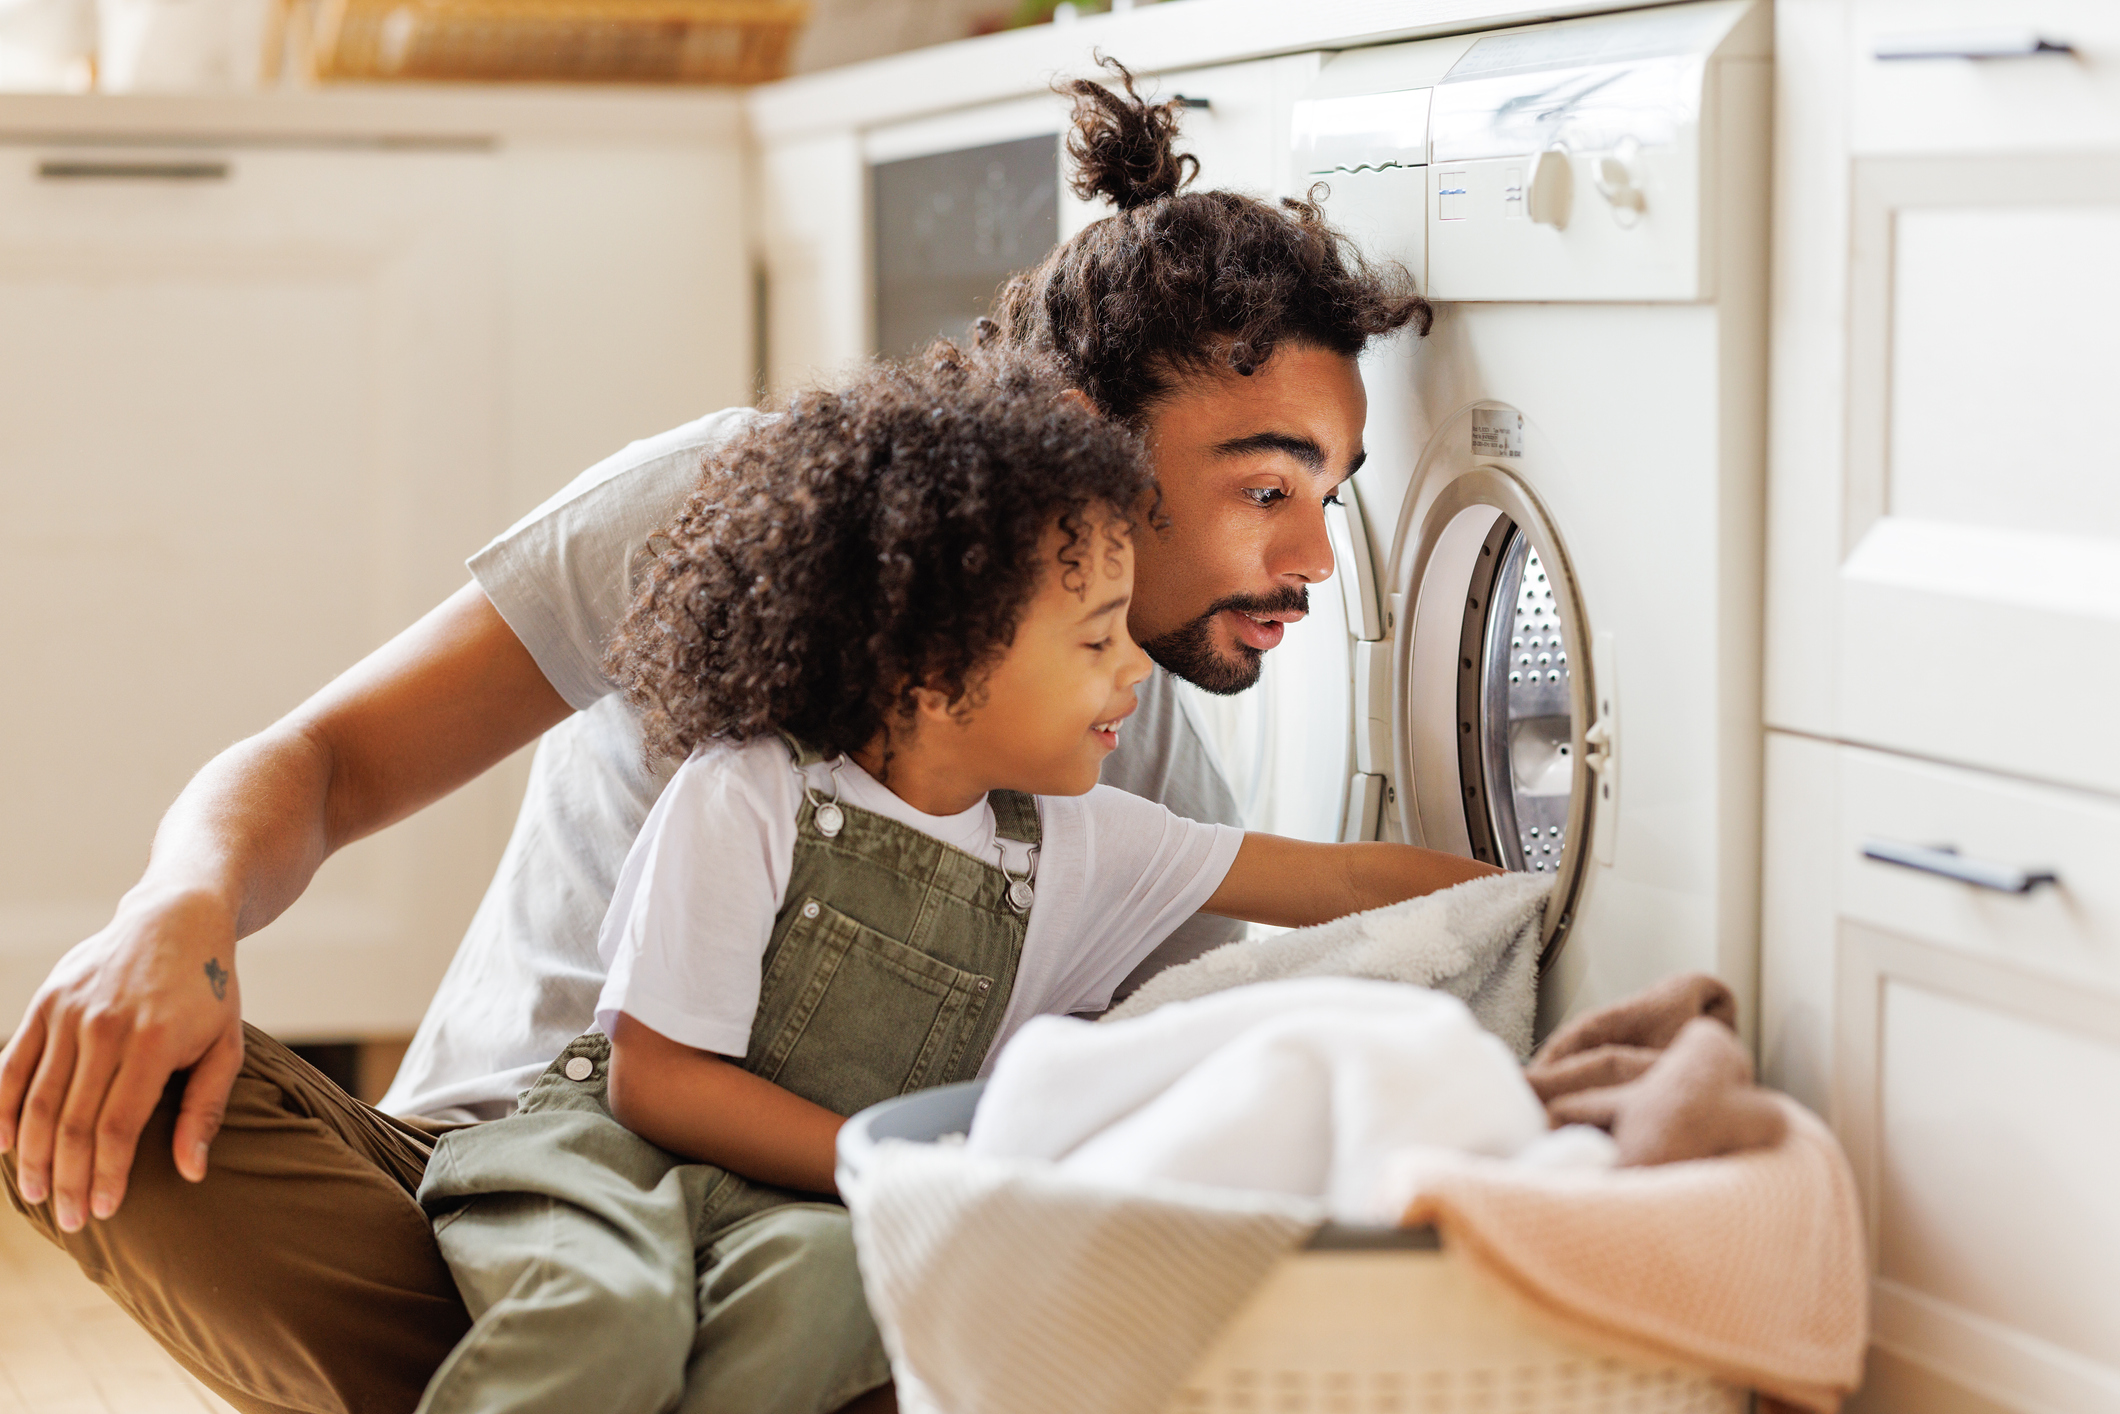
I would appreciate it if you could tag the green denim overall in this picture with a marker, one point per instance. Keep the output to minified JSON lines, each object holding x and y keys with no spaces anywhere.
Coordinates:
{"x":604,"y":1273}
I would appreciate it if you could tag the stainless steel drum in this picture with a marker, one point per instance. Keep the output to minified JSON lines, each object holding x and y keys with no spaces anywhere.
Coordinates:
{"x":1492,"y":699}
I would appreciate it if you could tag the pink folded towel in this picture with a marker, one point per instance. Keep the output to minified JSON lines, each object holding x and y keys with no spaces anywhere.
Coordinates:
{"x":1751,"y":1266}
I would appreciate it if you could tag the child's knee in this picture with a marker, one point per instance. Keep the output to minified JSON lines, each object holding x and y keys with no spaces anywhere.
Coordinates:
{"x":802,"y":1253}
{"x":782,"y":1310}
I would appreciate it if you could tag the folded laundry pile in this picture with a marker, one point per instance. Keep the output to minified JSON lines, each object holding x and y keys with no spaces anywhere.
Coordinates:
{"x":1125,"y":1186}
{"x":1663,"y":1071}
{"x":1730,"y":1237}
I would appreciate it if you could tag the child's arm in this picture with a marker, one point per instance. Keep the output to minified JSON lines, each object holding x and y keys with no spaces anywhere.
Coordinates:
{"x":1294,"y":883}
{"x":695,"y":1103}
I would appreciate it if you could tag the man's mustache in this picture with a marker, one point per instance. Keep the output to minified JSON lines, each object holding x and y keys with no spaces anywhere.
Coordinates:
{"x":1281,"y":601}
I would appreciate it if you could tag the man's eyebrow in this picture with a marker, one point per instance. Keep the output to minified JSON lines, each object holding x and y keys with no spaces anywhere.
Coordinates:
{"x":1303,"y":449}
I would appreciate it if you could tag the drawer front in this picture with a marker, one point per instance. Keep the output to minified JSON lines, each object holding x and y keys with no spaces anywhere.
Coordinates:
{"x":1978,"y":1054}
{"x":2038,"y":102}
{"x":2070,"y":929}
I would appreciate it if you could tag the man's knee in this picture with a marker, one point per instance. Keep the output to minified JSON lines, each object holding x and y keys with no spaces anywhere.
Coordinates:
{"x":151,"y":1190}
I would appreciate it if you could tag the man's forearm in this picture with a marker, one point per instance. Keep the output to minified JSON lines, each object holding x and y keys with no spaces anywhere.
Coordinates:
{"x":247,"y":833}
{"x":155,"y":991}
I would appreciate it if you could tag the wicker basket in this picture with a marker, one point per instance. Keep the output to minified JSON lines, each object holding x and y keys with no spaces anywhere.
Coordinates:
{"x":563,"y":41}
{"x":1372,"y":1321}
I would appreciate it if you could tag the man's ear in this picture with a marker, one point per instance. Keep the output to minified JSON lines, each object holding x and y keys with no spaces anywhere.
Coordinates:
{"x":1079,"y":398}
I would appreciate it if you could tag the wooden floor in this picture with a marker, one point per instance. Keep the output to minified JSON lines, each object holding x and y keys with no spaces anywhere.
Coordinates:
{"x":65,"y":1348}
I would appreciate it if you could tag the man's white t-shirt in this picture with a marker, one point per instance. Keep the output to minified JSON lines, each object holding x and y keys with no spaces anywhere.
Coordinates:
{"x":686,"y":935}
{"x":525,"y":980}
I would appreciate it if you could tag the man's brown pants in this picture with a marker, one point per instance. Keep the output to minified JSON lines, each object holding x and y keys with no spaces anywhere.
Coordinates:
{"x":300,"y":1277}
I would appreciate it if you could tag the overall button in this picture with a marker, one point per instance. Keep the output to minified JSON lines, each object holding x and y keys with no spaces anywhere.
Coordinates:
{"x":580,"y":1067}
{"x":810,"y":910}
{"x":983,"y":983}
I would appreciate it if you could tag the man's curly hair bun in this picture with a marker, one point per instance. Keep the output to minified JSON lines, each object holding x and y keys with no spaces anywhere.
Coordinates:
{"x":1124,"y":149}
{"x":1179,"y":282}
{"x":867,"y":540}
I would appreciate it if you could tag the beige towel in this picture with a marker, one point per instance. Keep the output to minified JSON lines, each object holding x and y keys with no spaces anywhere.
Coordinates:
{"x":1751,"y":1265}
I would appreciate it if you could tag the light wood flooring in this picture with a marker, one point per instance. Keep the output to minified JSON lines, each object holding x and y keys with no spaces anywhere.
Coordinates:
{"x":65,"y":1347}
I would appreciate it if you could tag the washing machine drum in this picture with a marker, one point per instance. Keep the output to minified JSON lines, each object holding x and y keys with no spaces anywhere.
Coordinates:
{"x":1494,"y":750}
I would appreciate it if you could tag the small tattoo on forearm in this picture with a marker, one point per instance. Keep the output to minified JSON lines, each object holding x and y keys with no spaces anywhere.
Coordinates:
{"x":217,"y":975}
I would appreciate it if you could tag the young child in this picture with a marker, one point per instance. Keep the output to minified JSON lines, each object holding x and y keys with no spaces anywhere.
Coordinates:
{"x":888,"y":635}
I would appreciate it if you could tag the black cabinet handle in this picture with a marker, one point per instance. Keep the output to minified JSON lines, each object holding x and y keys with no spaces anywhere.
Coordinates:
{"x":1945,"y":861}
{"x":1970,"y":44}
{"x":107,"y":170}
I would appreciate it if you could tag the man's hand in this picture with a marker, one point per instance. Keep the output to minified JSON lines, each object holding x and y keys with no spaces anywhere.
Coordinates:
{"x":152,"y":994}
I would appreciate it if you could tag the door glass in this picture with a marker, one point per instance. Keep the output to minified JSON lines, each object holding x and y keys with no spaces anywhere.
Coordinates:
{"x":1527,"y":765}
{"x":950,"y":227}
{"x":1284,"y":746}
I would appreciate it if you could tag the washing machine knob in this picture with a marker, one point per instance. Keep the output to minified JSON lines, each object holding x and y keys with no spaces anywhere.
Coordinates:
{"x":1551,"y":190}
{"x":1617,"y":184}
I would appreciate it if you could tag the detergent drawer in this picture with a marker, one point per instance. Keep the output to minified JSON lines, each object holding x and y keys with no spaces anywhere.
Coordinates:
{"x":1978,"y":1052}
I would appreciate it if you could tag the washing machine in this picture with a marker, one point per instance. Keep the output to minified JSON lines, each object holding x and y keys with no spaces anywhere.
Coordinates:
{"x":1546,"y":643}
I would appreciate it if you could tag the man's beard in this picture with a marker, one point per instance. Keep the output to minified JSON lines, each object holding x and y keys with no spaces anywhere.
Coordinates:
{"x":1189,"y":649}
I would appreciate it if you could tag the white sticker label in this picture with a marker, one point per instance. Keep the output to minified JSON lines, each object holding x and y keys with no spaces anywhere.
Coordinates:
{"x":1497,"y":432}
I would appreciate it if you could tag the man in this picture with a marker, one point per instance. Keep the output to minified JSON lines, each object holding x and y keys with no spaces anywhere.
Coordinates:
{"x":295,"y":1271}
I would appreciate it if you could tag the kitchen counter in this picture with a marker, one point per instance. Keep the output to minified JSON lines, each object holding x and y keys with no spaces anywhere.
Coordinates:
{"x":380,"y":115}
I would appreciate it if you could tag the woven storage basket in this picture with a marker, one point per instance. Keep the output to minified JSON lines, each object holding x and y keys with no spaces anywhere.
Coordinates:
{"x":1371,"y":1321}
{"x":580,"y":41}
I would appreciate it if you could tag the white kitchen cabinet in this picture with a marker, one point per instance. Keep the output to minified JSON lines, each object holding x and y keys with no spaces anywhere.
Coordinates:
{"x":1946,"y":533}
{"x":1944,"y":537}
{"x":1979,"y":1051}
{"x":261,"y":392}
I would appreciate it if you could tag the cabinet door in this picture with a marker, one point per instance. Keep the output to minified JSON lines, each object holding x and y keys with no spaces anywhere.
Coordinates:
{"x":1237,"y":121}
{"x":249,"y":428}
{"x":1979,"y":1056}
{"x":1979,"y":583}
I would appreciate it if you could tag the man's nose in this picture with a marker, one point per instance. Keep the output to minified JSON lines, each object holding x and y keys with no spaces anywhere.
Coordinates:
{"x":1304,"y":549}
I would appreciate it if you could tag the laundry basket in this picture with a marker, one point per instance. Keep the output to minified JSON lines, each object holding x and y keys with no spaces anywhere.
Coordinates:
{"x":1370,"y":1321}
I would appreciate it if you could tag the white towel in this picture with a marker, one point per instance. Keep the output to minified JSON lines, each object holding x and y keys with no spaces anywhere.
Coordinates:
{"x":1126,"y":1186}
{"x":1478,"y":941}
{"x":1303,"y":1087}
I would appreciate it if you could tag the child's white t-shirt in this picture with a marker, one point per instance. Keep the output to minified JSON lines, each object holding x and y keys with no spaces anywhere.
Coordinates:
{"x":685,"y":938}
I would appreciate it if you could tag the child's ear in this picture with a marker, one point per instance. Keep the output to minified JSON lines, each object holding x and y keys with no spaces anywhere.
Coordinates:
{"x":932,"y":703}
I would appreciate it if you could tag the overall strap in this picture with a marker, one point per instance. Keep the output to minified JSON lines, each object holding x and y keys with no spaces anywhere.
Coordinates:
{"x":1015,"y":816}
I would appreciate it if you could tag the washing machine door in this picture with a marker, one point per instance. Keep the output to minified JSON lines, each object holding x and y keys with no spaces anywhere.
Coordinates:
{"x":1497,"y":748}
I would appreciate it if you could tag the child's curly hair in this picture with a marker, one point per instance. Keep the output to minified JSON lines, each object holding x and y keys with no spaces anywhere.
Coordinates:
{"x":868,"y":540}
